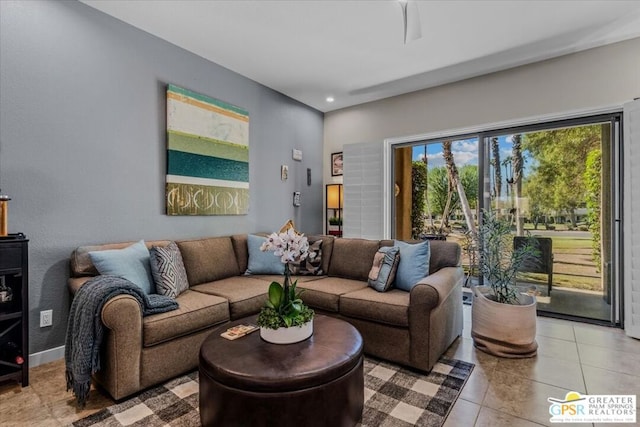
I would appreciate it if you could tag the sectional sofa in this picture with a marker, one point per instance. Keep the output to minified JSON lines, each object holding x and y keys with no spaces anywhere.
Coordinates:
{"x":410,"y":328}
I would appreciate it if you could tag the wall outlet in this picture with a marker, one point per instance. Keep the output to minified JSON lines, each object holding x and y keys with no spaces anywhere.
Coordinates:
{"x":46,"y":318}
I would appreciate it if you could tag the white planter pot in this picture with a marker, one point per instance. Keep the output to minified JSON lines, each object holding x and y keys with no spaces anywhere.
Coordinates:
{"x":503,"y":330}
{"x":287,"y":335}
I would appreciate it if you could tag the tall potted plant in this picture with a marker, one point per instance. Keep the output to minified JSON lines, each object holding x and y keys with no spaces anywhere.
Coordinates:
{"x":285,"y":319}
{"x":503,"y":319}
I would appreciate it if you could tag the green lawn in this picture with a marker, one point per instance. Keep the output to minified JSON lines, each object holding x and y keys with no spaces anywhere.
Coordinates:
{"x":568,"y":243}
{"x":573,"y":265}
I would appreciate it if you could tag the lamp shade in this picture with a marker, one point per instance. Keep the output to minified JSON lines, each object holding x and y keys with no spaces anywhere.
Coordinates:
{"x":334,"y":196}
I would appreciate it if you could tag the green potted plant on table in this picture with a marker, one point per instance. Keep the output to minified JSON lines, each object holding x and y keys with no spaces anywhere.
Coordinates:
{"x":285,"y":319}
{"x":334,"y":220}
{"x":503,"y":319}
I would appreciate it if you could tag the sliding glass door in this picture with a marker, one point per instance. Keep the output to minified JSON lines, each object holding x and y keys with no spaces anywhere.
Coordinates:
{"x":557,"y":181}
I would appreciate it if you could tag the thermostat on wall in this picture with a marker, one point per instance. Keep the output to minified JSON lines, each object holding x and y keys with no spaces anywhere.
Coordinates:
{"x":297,"y":154}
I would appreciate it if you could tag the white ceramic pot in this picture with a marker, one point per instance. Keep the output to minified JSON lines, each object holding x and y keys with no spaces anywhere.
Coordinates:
{"x":503,"y":330}
{"x":287,"y":335}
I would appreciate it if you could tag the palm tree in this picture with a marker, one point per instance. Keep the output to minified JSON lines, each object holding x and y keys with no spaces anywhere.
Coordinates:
{"x":444,"y":224}
{"x":426,"y":191}
{"x":495,"y":148}
{"x":517,"y":181}
{"x":454,"y":179}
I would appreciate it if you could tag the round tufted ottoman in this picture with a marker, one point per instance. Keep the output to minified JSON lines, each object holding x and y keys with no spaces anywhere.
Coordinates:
{"x":249,"y":382}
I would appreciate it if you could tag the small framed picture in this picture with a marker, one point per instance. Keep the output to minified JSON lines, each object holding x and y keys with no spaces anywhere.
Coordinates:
{"x":284,"y":172}
{"x":336,"y":164}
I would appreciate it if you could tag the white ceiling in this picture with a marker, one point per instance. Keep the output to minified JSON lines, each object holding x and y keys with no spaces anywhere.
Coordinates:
{"x":354,"y":50}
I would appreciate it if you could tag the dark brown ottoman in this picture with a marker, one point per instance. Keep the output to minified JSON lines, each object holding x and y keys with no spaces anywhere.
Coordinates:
{"x":249,"y":382}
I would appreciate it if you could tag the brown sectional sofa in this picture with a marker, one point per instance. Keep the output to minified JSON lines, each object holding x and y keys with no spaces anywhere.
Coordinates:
{"x":410,"y":328}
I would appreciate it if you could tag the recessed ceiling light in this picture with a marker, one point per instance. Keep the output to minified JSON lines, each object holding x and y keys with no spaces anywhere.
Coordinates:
{"x":330,"y":99}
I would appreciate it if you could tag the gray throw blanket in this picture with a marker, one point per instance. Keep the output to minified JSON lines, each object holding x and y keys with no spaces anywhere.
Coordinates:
{"x":85,"y":328}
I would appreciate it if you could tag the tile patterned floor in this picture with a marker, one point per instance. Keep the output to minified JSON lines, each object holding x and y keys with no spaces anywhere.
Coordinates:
{"x":571,"y":357}
{"x":500,"y":392}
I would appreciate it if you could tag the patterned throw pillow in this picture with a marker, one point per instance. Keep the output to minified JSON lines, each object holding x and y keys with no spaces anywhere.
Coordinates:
{"x":287,"y":225}
{"x":167,"y":269}
{"x":385,"y":265}
{"x":312,"y":266}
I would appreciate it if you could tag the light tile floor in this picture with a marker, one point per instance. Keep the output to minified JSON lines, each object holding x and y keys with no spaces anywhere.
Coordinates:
{"x":571,"y":356}
{"x":500,"y":392}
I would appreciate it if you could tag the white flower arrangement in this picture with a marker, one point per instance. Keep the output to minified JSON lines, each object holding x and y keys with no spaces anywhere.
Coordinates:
{"x":288,"y":245}
{"x":283,"y":307}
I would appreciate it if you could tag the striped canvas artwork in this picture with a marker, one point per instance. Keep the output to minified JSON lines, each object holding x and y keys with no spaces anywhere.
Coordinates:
{"x":207,"y":156}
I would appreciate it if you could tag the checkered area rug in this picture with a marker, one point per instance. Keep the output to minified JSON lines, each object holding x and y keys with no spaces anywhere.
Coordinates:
{"x":393,"y":397}
{"x":398,"y":397}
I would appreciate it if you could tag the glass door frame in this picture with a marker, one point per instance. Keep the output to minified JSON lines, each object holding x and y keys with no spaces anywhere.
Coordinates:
{"x":544,"y":122}
{"x":615,"y":187}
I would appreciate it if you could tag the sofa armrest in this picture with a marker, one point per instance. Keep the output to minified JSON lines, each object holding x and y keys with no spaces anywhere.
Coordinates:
{"x":436,"y":286}
{"x":121,"y":346}
{"x":75,"y":283}
{"x":435,"y":315}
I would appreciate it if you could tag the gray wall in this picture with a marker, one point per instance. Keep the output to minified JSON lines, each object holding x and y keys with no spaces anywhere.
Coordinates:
{"x":83,"y":146}
{"x":594,"y":78}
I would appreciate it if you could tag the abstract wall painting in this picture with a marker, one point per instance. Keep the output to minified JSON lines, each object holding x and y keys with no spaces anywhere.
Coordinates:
{"x":207,"y":155}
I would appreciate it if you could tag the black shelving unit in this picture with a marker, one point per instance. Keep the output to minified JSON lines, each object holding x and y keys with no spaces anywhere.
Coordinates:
{"x":14,"y":314}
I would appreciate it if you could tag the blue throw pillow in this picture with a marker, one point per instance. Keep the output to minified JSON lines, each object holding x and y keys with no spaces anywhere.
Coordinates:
{"x":414,"y":264}
{"x":262,"y":262}
{"x":131,"y":263}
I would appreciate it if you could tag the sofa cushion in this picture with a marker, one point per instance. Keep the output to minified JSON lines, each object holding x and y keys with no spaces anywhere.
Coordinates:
{"x":196,"y":311}
{"x":239,"y":242}
{"x":443,"y":254}
{"x":131,"y":263}
{"x":208,"y":259}
{"x":275,"y":278}
{"x":414,"y":264}
{"x":312,"y":265}
{"x":262,"y":262}
{"x":246,"y":295}
{"x":391,"y":307}
{"x":167,"y":270}
{"x":325,"y":293}
{"x":352,"y":258}
{"x":81,"y":265}
{"x":383,"y":270}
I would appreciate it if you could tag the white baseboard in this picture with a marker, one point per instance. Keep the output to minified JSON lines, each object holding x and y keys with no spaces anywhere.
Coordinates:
{"x":46,"y":356}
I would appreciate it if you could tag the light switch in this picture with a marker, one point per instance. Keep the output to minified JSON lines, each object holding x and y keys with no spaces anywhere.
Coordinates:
{"x":297,"y":154}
